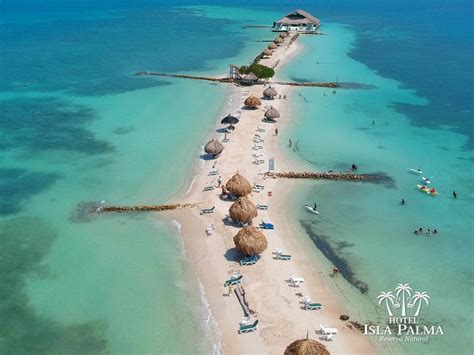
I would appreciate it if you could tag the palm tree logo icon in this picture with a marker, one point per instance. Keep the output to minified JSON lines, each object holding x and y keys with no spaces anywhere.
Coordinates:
{"x":420,"y":297}
{"x":405,"y":291}
{"x":403,"y":295}
{"x":387,"y":297}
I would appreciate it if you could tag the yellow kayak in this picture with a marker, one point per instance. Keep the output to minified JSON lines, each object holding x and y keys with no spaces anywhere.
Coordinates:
{"x":427,"y":190}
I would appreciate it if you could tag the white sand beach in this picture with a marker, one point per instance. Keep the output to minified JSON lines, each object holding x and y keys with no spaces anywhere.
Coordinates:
{"x":278,"y":306}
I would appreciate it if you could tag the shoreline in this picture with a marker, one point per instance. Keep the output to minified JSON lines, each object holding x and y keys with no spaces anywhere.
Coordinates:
{"x":265,"y":283}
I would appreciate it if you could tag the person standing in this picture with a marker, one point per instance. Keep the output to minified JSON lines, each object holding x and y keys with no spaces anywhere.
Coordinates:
{"x":276,"y":131}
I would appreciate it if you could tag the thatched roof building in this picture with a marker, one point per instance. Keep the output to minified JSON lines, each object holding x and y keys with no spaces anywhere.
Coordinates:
{"x":278,"y":41}
{"x":272,"y":46}
{"x":243,"y":210}
{"x":252,"y":102}
{"x":272,"y":113}
{"x":267,"y":53}
{"x":283,"y":34}
{"x":269,"y":93}
{"x":299,"y":21}
{"x":214,"y":147}
{"x":250,"y":241}
{"x":238,"y":185}
{"x":306,"y":347}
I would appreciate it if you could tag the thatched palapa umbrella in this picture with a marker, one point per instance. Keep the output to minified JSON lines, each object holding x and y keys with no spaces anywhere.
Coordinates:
{"x":272,"y":113}
{"x":252,"y":102}
{"x":229,"y":119}
{"x":278,"y":41}
{"x":267,"y":53}
{"x":250,"y":241}
{"x":283,"y":35}
{"x":272,"y":46}
{"x":306,"y":347}
{"x":243,"y":210}
{"x":238,"y":185}
{"x":269,"y":93}
{"x":214,"y":147}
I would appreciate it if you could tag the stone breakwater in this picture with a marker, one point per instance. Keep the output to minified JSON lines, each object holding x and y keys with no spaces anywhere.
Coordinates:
{"x":377,"y":178}
{"x":144,"y":208}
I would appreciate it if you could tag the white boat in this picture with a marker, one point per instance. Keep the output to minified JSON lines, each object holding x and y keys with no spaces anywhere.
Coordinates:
{"x":426,"y":180}
{"x":416,"y":171}
{"x":311,"y":209}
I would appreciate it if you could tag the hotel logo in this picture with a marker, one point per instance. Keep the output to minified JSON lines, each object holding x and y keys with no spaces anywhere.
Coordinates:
{"x":403,"y":306}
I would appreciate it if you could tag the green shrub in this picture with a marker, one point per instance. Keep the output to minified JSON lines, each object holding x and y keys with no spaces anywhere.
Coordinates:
{"x":259,"y":70}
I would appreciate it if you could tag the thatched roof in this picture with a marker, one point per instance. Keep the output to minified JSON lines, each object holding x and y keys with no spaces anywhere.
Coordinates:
{"x":270,"y":92}
{"x":272,"y":45}
{"x":272,"y":113}
{"x":267,"y":52}
{"x":249,"y":77}
{"x":214,"y":147}
{"x":283,"y":35}
{"x":243,"y":210}
{"x":252,"y":101}
{"x":299,"y":17}
{"x":250,"y":241}
{"x":306,"y":347}
{"x":229,"y":119}
{"x":238,"y":185}
{"x":278,"y":40}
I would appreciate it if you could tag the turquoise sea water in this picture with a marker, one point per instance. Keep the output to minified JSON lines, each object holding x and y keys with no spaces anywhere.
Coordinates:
{"x":76,"y":126}
{"x":363,"y":228}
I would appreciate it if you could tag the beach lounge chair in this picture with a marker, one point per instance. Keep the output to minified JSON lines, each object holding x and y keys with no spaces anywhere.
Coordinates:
{"x":251,"y":260}
{"x":262,"y":207}
{"x":309,"y":306}
{"x":260,"y":129}
{"x":257,"y":147}
{"x":296,"y":281}
{"x":283,"y":257}
{"x":258,"y":187}
{"x":208,"y":210}
{"x":258,"y":140}
{"x":209,"y":188}
{"x":264,"y":225}
{"x":327,"y":337}
{"x":327,"y":330}
{"x":234,"y":280}
{"x":213,"y":172}
{"x":249,"y":327}
{"x":245,"y":320}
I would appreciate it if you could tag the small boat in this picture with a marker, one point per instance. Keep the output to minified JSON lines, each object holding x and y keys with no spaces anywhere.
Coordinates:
{"x":416,"y":171}
{"x":427,"y":190}
{"x":311,"y":209}
{"x":426,"y":180}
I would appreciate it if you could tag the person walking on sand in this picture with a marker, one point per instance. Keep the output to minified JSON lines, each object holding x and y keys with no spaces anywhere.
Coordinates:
{"x":276,"y":131}
{"x":219,"y":181}
{"x":231,"y":288}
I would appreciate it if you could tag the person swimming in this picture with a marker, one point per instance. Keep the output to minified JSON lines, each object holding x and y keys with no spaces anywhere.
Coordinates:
{"x":455,"y":195}
{"x":403,"y":201}
{"x":354,"y":166}
{"x":315,"y":206}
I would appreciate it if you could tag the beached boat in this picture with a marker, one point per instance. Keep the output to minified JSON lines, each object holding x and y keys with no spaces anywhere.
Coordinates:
{"x":311,"y":209}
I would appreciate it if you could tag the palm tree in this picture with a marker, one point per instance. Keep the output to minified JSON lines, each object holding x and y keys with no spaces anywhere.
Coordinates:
{"x":386,"y":296}
{"x":403,"y":289}
{"x":420,"y":297}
